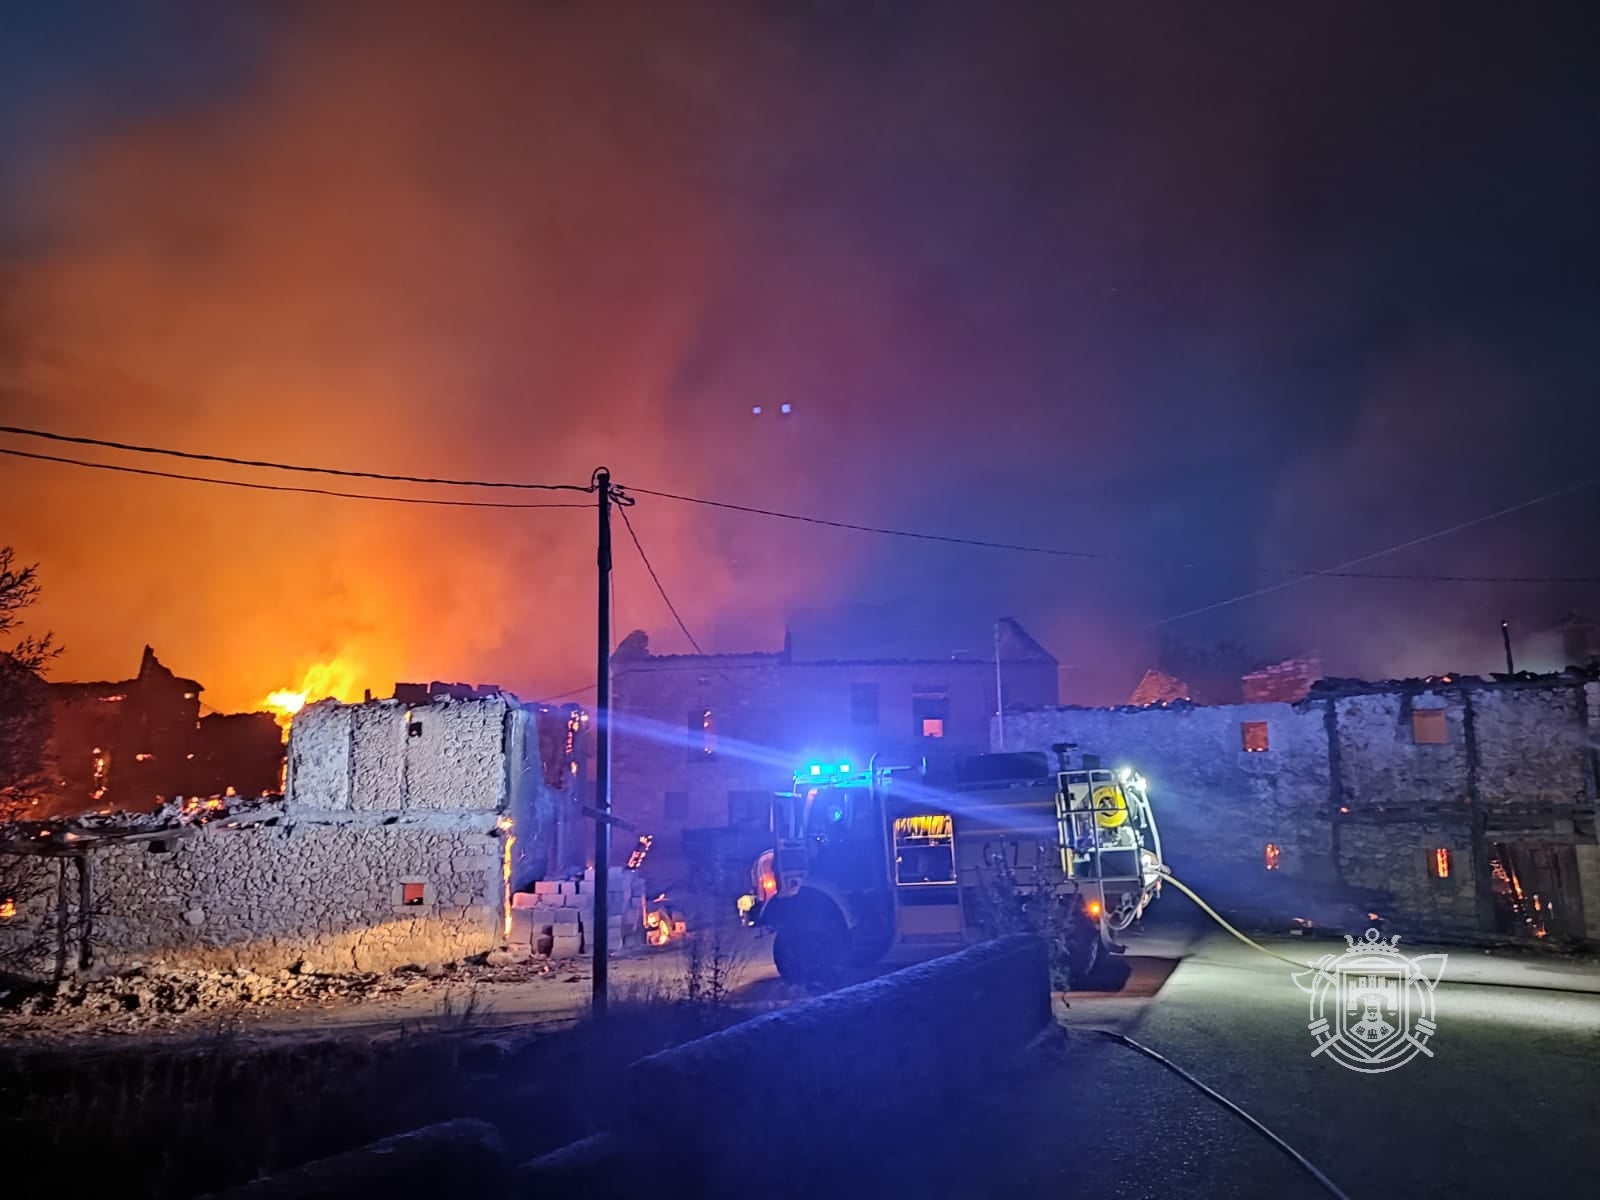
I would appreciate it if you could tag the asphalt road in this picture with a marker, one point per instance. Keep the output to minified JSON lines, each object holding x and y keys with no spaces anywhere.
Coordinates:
{"x":1509,"y":1104}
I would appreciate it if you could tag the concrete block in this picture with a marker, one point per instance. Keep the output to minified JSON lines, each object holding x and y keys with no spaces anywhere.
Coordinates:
{"x":526,"y":899}
{"x":566,"y":946}
{"x":565,"y":918}
{"x":523,"y":930}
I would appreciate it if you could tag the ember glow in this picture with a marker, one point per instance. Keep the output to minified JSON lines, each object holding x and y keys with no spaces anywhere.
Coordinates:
{"x":661,"y":924}
{"x":8,"y":909}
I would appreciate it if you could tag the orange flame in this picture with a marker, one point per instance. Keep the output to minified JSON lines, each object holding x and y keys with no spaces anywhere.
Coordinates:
{"x":8,"y":909}
{"x":505,"y":825}
{"x":661,"y":925}
{"x":336,"y":679}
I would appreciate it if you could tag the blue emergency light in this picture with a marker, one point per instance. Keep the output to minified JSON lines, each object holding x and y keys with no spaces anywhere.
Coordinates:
{"x":827,"y":771}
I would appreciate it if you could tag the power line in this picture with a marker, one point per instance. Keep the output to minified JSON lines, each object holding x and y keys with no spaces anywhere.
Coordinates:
{"x":277,"y":487}
{"x":134,"y":448}
{"x":672,"y":608}
{"x":1395,"y":549}
{"x":1302,"y":573}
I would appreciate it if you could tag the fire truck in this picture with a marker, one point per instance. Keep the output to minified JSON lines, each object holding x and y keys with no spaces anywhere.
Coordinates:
{"x":868,"y":859}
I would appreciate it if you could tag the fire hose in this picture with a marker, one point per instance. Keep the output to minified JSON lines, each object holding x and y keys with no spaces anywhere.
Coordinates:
{"x":1123,"y":1039}
{"x":1168,"y":877}
{"x":1304,"y":1163}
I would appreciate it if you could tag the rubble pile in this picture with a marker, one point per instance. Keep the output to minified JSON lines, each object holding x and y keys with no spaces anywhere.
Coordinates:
{"x":154,"y":992}
{"x":174,"y":814}
{"x":149,"y":996}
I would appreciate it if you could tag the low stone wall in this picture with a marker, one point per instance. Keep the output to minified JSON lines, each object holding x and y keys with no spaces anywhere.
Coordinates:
{"x":787,"y":1105}
{"x":784,"y":1105}
{"x":454,"y":1158}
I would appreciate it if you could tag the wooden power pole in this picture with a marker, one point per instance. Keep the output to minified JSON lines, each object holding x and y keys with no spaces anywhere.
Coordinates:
{"x":602,"y":749}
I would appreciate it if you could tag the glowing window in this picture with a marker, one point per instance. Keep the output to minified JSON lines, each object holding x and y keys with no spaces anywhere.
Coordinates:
{"x":1428,"y":727}
{"x":1439,"y":862}
{"x":1273,"y":856}
{"x":702,"y":735}
{"x":412,"y":894}
{"x":924,"y":850}
{"x":930,"y":710}
{"x":1253,"y":735}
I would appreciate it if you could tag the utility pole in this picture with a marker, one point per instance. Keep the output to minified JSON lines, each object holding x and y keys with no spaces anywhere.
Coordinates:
{"x":1505,"y":636}
{"x":999,"y":695}
{"x":602,"y":748}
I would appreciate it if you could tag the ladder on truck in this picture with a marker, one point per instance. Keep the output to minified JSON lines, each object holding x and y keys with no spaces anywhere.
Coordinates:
{"x":1080,"y":835}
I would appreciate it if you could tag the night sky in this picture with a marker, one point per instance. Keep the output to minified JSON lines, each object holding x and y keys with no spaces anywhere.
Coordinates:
{"x":1219,"y":291}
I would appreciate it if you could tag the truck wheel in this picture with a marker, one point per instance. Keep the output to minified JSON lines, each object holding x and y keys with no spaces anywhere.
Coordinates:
{"x":1085,"y":954}
{"x":869,"y":942}
{"x":811,"y":952}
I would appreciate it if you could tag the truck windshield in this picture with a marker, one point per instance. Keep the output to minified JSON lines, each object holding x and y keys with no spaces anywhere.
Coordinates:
{"x":827,"y":810}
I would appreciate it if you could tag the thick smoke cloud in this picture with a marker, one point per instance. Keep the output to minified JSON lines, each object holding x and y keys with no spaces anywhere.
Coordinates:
{"x":1141,"y":285}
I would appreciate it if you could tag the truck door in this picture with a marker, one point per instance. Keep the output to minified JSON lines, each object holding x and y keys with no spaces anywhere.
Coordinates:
{"x":922,"y":875}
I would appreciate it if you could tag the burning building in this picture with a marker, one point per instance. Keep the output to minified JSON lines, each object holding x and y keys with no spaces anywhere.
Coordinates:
{"x":404,"y":835}
{"x":131,"y":744}
{"x":1459,"y":805}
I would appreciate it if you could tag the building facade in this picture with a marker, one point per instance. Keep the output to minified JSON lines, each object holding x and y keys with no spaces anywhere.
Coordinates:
{"x":1463,"y":805}
{"x":404,"y":836}
{"x":701,"y":742}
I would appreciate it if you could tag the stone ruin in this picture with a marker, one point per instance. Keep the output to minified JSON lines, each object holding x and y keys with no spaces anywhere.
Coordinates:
{"x":404,"y":837}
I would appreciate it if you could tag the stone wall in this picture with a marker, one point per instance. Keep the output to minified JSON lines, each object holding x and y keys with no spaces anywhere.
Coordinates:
{"x":402,"y":834}
{"x":330,"y":895}
{"x":383,"y":756}
{"x":1217,"y":804}
{"x":1360,"y":786}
